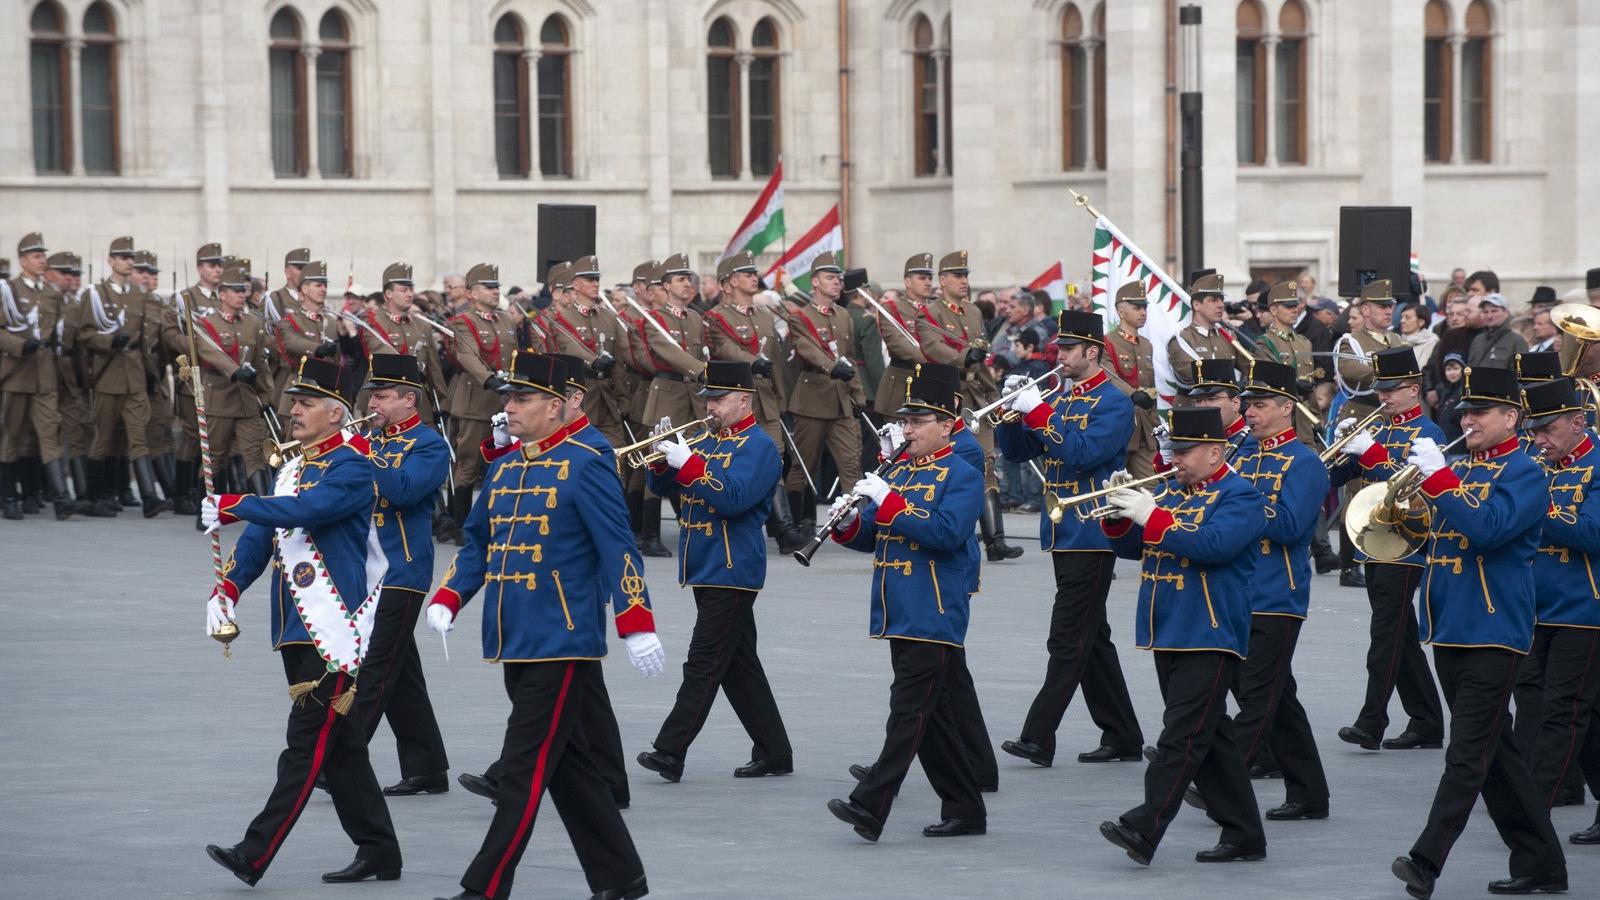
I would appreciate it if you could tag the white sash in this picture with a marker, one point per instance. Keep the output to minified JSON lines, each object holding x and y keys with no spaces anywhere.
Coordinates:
{"x":103,"y":322}
{"x":16,"y":322}
{"x":340,"y":635}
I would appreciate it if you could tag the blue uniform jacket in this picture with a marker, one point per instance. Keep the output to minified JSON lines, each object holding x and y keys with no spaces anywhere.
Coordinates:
{"x":1488,"y":511}
{"x":334,"y":505}
{"x":1564,"y":570}
{"x":1392,"y":444}
{"x":409,"y":462}
{"x":724,"y":495}
{"x":549,"y":544}
{"x":1293,"y":481}
{"x":918,"y":538}
{"x":1194,"y":578}
{"x":968,"y":448}
{"x":1083,"y":437}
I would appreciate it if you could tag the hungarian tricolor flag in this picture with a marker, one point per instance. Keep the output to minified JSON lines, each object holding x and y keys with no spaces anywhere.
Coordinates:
{"x":1118,"y":261}
{"x":1053,"y":281}
{"x":763,"y":225}
{"x":824,"y":236}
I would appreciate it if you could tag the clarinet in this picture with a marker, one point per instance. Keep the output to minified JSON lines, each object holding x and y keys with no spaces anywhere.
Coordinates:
{"x":804,"y":554}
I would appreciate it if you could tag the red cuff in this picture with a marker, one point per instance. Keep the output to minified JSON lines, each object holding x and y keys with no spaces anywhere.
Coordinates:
{"x":491,"y":452}
{"x":634,"y":620}
{"x":229,"y":590}
{"x":226,"y":502}
{"x":448,"y":599}
{"x":892,"y":505}
{"x":1038,"y":418}
{"x":1114,"y":527}
{"x":849,"y":534}
{"x":1160,"y":463}
{"x":1156,"y":526}
{"x":1441,"y":482}
{"x":360,"y":442}
{"x":692,"y":470}
{"x":1375,"y":456}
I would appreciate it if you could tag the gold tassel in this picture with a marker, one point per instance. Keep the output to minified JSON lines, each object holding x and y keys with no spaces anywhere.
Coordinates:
{"x":299,"y":692}
{"x":343,"y":702}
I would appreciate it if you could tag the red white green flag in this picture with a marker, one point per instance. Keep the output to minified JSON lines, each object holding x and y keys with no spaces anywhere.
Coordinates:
{"x":763,"y":225}
{"x":1053,"y":281}
{"x":795,"y":263}
{"x":1118,"y":261}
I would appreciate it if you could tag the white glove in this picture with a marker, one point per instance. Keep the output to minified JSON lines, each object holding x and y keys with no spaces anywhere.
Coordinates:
{"x":219,"y":612}
{"x":871,"y":487}
{"x":1344,"y":425}
{"x":1026,"y":400}
{"x":677,"y":452}
{"x":1012,"y":383}
{"x":1163,"y":435}
{"x":440,"y":618}
{"x":1118,"y":478}
{"x":208,"y":514}
{"x":502,"y":429}
{"x":890,"y":439}
{"x":1426,"y":456}
{"x":1360,"y":444}
{"x":662,"y":427}
{"x":1132,"y":504}
{"x":646,"y":654}
{"x":840,"y":504}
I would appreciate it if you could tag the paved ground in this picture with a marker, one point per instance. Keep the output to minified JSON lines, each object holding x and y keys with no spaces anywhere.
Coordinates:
{"x":128,"y":744}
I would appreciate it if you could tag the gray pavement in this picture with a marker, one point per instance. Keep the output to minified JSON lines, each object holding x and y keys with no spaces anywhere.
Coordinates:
{"x":128,"y":743}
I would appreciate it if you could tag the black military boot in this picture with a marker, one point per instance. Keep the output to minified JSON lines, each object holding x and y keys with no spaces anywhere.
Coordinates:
{"x":101,"y":501}
{"x":149,"y":501}
{"x":31,"y":474}
{"x":790,"y":538}
{"x":55,"y":479}
{"x":183,"y":502}
{"x":125,"y":484}
{"x":458,"y":517}
{"x":10,"y":502}
{"x":260,"y":482}
{"x":166,"y":477}
{"x":636,"y":512}
{"x":994,"y":529}
{"x":650,"y":531}
{"x":804,"y":517}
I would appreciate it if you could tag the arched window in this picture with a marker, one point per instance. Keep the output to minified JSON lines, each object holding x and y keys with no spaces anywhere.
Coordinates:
{"x":510,"y":99}
{"x":333,"y":94}
{"x":555,"y":98}
{"x":98,"y":100}
{"x":1097,"y":31}
{"x":926,"y":94}
{"x":47,"y":65}
{"x":765,"y":136}
{"x":1476,"y":79}
{"x":1251,"y":83}
{"x":1289,"y":100}
{"x":722,"y":100}
{"x":1437,"y":83}
{"x":286,"y":75}
{"x":1074,"y":90}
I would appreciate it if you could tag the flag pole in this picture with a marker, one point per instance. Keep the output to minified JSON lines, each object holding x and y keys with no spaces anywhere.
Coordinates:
{"x":1083,"y":202}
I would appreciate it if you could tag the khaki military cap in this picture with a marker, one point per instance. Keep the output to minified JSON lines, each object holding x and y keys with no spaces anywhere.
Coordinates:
{"x":1284,"y":292}
{"x":1379,"y":291}
{"x":30,"y":242}
{"x":658,"y":275}
{"x":676,"y":264}
{"x":486,"y":274}
{"x":122,"y":246}
{"x":397,"y":273}
{"x":643,"y":271}
{"x":74,"y":263}
{"x":560,"y":276}
{"x":299,"y":256}
{"x":146,"y":261}
{"x":586,"y":267}
{"x":236,"y":277}
{"x":208,"y":253}
{"x":243,"y":262}
{"x":61,"y":261}
{"x":1206,"y":284}
{"x":315,"y":270}
{"x":742,"y":261}
{"x":1132,"y":293}
{"x":920,"y":263}
{"x":826,"y":262}
{"x":954,"y":262}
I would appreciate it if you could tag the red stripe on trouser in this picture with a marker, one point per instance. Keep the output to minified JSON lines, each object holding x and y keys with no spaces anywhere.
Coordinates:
{"x":1572,"y":744}
{"x":1183,"y":779}
{"x":317,"y":753}
{"x":532,"y":806}
{"x":1272,"y":698}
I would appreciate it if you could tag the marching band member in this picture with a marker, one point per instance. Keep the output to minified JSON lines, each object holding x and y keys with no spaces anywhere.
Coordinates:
{"x":1487,"y":513}
{"x":1194,"y":612}
{"x":1082,"y":435}
{"x":1214,"y":383}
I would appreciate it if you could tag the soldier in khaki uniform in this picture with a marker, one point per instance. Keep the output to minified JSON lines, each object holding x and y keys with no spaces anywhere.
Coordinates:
{"x":1202,"y":338}
{"x":306,"y":328}
{"x":1131,"y":359}
{"x":229,"y":339}
{"x":64,"y":274}
{"x":485,"y":340}
{"x":737,"y":331}
{"x":190,"y":303}
{"x":399,"y":328}
{"x":1355,"y":349}
{"x":1282,"y":344}
{"x":899,"y":333}
{"x":114,"y":327}
{"x":671,"y":345}
{"x":633,"y":393}
{"x":580,"y":327}
{"x":158,"y":430}
{"x":29,"y":310}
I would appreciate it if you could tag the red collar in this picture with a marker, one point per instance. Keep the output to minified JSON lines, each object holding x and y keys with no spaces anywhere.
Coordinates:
{"x":227,"y":318}
{"x":1235,"y":428}
{"x":675,"y":312}
{"x":1409,"y":415}
{"x":738,"y":427}
{"x":960,"y":426}
{"x":1209,"y":480}
{"x":1278,"y":440}
{"x":398,"y":320}
{"x":1501,"y":449}
{"x":1130,"y":338}
{"x":554,"y":437}
{"x":402,"y":427}
{"x":487,"y":317}
{"x":940,"y":453}
{"x":1095,"y":380}
{"x":825,"y":310}
{"x":330,"y":443}
{"x":1584,"y":446}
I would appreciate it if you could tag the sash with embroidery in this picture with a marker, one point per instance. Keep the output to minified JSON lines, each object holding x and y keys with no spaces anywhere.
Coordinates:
{"x":16,"y":321}
{"x":103,"y":322}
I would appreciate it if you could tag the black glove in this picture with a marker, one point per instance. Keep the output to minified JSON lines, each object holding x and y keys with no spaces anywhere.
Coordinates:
{"x":120,"y":341}
{"x":31,"y":346}
{"x":1306,"y":387}
{"x":245,"y":374}
{"x":326,"y":349}
{"x":602,"y":364}
{"x":975,"y":355}
{"x":842,"y":370}
{"x":493,"y":383}
{"x":761,"y":366}
{"x":1143,"y":400}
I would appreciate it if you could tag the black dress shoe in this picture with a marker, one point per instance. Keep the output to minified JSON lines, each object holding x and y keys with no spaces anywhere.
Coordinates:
{"x":361,"y":870}
{"x":1151,"y":754}
{"x":1590,"y":835}
{"x":1530,"y":884}
{"x":956,"y":828}
{"x":860,"y":772}
{"x":1138,"y":849}
{"x":478,"y":784}
{"x":1573,"y":796}
{"x":759,"y":768}
{"x":854,"y":814}
{"x":1411,"y":740}
{"x":1352,"y":577}
{"x":1350,"y":734}
{"x":1326,"y":564}
{"x":231,"y":859}
{"x":1295,"y":810}
{"x":419,"y":784}
{"x":1418,"y":876}
{"x":1226,"y":852}
{"x":1028,"y":750}
{"x":1191,"y":796}
{"x":1260,"y":771}
{"x":633,"y":890}
{"x":1105,"y":753}
{"x":664,"y":764}
{"x":653,"y":548}
{"x":322,"y":781}
{"x":464,"y":895}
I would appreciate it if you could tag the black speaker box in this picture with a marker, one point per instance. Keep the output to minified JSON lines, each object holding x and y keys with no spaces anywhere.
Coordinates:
{"x":566,"y":232}
{"x":1374,"y":242}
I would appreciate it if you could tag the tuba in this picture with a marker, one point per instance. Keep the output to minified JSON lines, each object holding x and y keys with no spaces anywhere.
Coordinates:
{"x":1386,"y":519}
{"x":1579,"y":324}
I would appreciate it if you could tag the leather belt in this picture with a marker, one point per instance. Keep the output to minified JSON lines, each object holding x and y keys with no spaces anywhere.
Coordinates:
{"x":899,"y":363}
{"x":672,"y":376}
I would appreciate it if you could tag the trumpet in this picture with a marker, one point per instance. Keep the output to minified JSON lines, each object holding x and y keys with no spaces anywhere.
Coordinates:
{"x":1058,"y":504}
{"x":1383,"y":518}
{"x":993,"y":412}
{"x":279,"y":452}
{"x":638,"y":455}
{"x":1330,"y":454}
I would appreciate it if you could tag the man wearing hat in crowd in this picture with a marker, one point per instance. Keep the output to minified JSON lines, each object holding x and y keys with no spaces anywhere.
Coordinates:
{"x":306,"y":329}
{"x":1081,"y":437}
{"x":397,"y":328}
{"x":410,"y":461}
{"x":917,"y":519}
{"x":583,"y":328}
{"x":724,"y":486}
{"x":1132,"y":359}
{"x":157,"y":360}
{"x":485,"y":340}
{"x":649,"y":294}
{"x":1198,"y":626}
{"x":549,"y":634}
{"x":229,"y":340}
{"x":1498,"y":343}
{"x":29,"y":311}
{"x":187,"y":307}
{"x":313,"y":541}
{"x":1203,"y":337}
{"x":1215,"y":383}
{"x":1281,"y":343}
{"x":897,"y":323}
{"x":1487,"y":512}
{"x":1394,"y":658}
{"x":671,"y":342}
{"x":76,"y":433}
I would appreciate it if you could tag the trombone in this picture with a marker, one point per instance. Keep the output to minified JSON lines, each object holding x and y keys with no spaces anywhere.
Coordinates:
{"x":1385,"y":521}
{"x":278,"y":452}
{"x":637,"y":455}
{"x":1058,"y":504}
{"x":1330,"y":454}
{"x":995,"y":415}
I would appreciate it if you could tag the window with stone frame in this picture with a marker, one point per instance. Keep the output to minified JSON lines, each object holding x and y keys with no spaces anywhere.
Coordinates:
{"x":48,"y":75}
{"x":722,"y":100}
{"x":286,"y":87}
{"x":555,"y":98}
{"x":511,"y":150}
{"x":334,"y":97}
{"x":1083,"y":88}
{"x":98,"y":89}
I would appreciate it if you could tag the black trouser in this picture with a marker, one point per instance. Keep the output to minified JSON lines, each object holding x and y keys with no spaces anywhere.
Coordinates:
{"x":722,"y":653}
{"x":602,"y":739}
{"x":1197,"y":744}
{"x":1556,"y":723}
{"x":921,"y":726}
{"x":392,"y":685}
{"x":969,"y":722}
{"x":1270,"y":714}
{"x":1081,"y":652}
{"x":553,"y":705}
{"x":322,"y":741}
{"x":1394,"y":655}
{"x":1482,"y":758}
